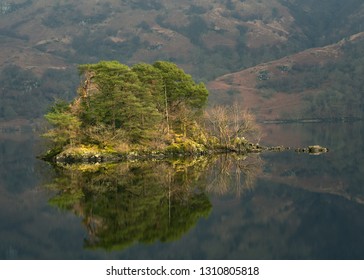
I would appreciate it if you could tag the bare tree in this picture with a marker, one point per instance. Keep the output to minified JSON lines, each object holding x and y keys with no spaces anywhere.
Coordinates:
{"x":231,"y":124}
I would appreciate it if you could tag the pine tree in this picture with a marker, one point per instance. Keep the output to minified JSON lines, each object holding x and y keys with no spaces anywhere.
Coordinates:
{"x":184,"y":98}
{"x":134,"y":105}
{"x":121,"y":101}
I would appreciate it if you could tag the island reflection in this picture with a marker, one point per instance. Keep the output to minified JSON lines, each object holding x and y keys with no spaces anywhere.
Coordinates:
{"x":122,"y":204}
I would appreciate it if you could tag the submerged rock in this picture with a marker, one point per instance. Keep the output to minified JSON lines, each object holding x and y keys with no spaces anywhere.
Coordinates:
{"x":278,"y":149}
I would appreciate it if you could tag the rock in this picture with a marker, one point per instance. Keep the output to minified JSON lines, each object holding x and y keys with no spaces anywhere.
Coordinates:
{"x":314,"y":150}
{"x":317,"y":149}
{"x":278,"y":149}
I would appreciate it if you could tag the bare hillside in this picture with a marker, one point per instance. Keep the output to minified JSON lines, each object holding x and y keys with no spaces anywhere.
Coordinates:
{"x":288,"y":88}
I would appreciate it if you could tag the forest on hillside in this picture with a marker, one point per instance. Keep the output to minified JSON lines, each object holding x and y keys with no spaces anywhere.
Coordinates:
{"x":25,"y":95}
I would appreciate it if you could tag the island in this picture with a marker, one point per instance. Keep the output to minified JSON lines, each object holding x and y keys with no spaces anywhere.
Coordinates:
{"x":144,"y":111}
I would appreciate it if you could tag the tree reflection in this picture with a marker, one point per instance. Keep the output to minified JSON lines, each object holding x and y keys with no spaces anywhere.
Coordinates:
{"x":234,"y":174}
{"x":144,"y":202}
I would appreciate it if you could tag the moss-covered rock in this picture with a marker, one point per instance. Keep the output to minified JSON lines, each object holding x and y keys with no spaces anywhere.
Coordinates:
{"x":315,"y":150}
{"x":86,"y":153}
{"x":185,"y":147}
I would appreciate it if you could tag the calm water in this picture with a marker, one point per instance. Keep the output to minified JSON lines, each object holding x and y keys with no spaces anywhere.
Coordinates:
{"x":268,"y":206}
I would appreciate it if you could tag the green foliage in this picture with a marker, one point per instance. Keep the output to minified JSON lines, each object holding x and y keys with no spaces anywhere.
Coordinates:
{"x":148,"y":201}
{"x":66,"y":125}
{"x":180,"y":87}
{"x":133,"y":202}
{"x":184,"y":99}
{"x":186,"y":147}
{"x":128,"y":104}
{"x":119,"y":102}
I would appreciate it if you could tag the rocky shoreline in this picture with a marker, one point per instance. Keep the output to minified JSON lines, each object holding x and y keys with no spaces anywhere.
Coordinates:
{"x":100,"y":156}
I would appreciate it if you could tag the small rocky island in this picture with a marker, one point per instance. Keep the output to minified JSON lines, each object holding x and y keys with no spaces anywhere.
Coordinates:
{"x":143,"y":112}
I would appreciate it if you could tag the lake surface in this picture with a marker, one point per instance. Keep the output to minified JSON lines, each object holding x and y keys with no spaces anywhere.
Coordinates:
{"x":268,"y":206}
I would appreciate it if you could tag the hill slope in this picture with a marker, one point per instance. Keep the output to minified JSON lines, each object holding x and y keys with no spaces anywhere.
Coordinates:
{"x":42,"y":41}
{"x":39,"y":34}
{"x":316,"y":83}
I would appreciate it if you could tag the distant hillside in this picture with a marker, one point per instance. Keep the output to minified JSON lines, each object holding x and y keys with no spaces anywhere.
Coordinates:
{"x":316,"y":83}
{"x":326,"y":21}
{"x":38,"y":34}
{"x":41,"y":41}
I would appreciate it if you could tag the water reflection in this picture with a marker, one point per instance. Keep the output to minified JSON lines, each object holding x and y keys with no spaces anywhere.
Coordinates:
{"x":144,"y":202}
{"x":268,"y":206}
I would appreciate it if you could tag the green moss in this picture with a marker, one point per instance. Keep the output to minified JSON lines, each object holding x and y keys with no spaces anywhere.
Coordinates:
{"x":85,"y":152}
{"x":187,"y":146}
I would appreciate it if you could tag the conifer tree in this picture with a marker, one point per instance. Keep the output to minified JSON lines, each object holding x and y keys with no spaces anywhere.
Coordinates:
{"x":118,"y":103}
